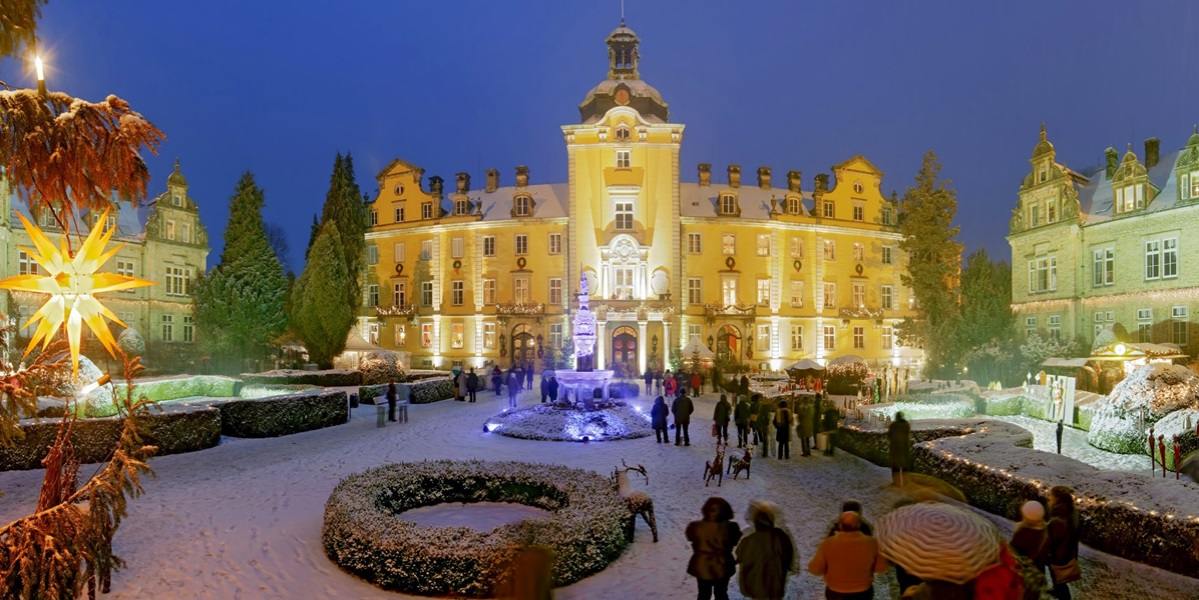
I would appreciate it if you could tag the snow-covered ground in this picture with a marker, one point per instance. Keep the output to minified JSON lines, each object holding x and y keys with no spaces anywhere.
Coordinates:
{"x":1074,"y":445}
{"x":243,"y":520}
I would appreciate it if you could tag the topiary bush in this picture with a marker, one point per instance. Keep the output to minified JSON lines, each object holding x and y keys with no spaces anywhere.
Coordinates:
{"x":283,"y":415}
{"x":365,"y":532}
{"x":380,"y":366}
{"x":131,"y":342}
{"x":328,"y":378}
{"x":427,"y":391}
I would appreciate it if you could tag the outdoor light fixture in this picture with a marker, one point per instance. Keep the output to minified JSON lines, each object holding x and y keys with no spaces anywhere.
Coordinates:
{"x":1120,"y":349}
{"x":95,"y":385}
{"x":711,"y":341}
{"x":41,"y":75}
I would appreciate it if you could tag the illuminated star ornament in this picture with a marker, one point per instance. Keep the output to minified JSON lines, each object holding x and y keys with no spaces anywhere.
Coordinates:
{"x":72,"y":282}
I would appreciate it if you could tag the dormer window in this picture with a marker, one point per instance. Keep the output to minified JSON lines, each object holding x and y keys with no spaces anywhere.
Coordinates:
{"x":793,"y":206}
{"x":426,"y":210}
{"x":1130,"y":198}
{"x":176,"y":200}
{"x":829,"y":212}
{"x":1043,"y":176}
{"x":622,"y":133}
{"x":461,"y":206}
{"x":728,"y":204}
{"x":522,"y":205}
{"x":624,"y":158}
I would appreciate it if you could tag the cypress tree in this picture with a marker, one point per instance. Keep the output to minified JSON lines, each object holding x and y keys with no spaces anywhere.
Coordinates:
{"x":319,"y":313}
{"x":343,"y":204}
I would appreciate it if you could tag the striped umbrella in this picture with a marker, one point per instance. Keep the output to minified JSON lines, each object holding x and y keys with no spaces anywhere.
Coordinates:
{"x":938,"y":541}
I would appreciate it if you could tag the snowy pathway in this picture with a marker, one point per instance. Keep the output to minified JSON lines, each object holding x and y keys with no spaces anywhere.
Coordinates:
{"x":1074,"y":445}
{"x":243,"y":520}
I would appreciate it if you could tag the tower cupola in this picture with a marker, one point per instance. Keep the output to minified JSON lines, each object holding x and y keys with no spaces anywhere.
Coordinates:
{"x":622,"y":53}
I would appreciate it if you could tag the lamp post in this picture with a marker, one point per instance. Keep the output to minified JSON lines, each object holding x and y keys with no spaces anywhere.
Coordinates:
{"x":41,"y":76}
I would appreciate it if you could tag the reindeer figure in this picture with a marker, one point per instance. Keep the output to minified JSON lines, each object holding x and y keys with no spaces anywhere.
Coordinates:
{"x":737,"y":465}
{"x":639,"y":503}
{"x":715,"y":468}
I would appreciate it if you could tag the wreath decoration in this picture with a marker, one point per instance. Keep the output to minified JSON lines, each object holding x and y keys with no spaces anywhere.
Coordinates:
{"x":364,"y":532}
{"x":730,"y":262}
{"x":797,"y":264}
{"x":521,"y":262}
{"x":457,"y":265}
{"x":399,"y":268}
{"x":858,"y":268}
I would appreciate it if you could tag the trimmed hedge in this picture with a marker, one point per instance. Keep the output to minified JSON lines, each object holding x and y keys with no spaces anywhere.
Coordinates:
{"x":991,"y":462}
{"x":329,"y":378}
{"x":174,"y":429}
{"x":427,"y":391}
{"x":198,"y":385}
{"x":283,"y":415}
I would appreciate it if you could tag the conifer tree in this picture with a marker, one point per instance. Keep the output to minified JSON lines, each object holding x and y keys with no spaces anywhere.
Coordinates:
{"x":934,"y":264}
{"x":985,"y":312}
{"x":343,"y":204}
{"x":319,"y":312}
{"x":312,"y":233}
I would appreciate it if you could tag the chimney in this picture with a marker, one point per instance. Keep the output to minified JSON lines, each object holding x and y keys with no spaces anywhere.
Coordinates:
{"x":435,"y":186}
{"x":463,"y":180}
{"x":1153,"y":148}
{"x":822,"y":182}
{"x":793,"y":179}
{"x":705,"y":174}
{"x":764,"y":177}
{"x":522,"y":176}
{"x":734,"y":176}
{"x":1113,"y":162}
{"x":493,"y":180}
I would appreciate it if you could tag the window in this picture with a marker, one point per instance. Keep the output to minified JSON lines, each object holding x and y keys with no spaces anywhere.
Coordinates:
{"x":763,"y":291}
{"x":1051,"y":212}
{"x":457,"y":334}
{"x":859,"y":337}
{"x":888,"y":337}
{"x":1043,"y":176}
{"x":124,"y":267}
{"x":185,"y":233}
{"x":489,"y":245}
{"x":457,"y":292}
{"x":859,"y":212}
{"x":374,"y":218}
{"x":694,"y":290}
{"x":462,"y":207}
{"x":886,"y":257}
{"x":170,"y":230}
{"x":556,"y":335}
{"x":176,"y":200}
{"x":372,"y":295}
{"x":1034,"y":218}
{"x":1103,"y":270}
{"x":728,"y":290}
{"x":1030,"y":325}
{"x":693,"y":331}
{"x":624,"y":215}
{"x":764,"y":244}
{"x":623,"y":278}
{"x":457,"y":247}
{"x":555,"y":290}
{"x":1178,"y":326}
{"x":830,"y":337}
{"x":555,"y":243}
{"x":728,"y":204}
{"x":624,"y":158}
{"x":1055,"y":327}
{"x":830,"y":250}
{"x":1194,"y":184}
{"x":888,"y":216}
{"x":426,"y":335}
{"x":177,"y":281}
{"x":489,"y":335}
{"x":797,"y":293}
{"x":830,"y":295}
{"x":401,"y":335}
{"x":763,"y":338}
{"x":859,"y":295}
{"x":188,"y":328}
{"x":1042,"y":275}
{"x":520,"y":289}
{"x":426,"y":249}
{"x":888,"y":295}
{"x":793,"y":206}
{"x":1153,"y":259}
{"x":399,"y":293}
{"x":398,"y":251}
{"x":168,"y":328}
{"x":828,"y":209}
{"x":372,"y":255}
{"x":25,"y":264}
{"x":1145,"y":325}
{"x":426,"y":210}
{"x":728,"y":243}
{"x":426,"y":293}
{"x":399,"y":214}
{"x":522,"y":244}
{"x":796,"y":338}
{"x":488,"y":291}
{"x":694,"y":243}
{"x":523,"y":205}
{"x":1169,"y":258}
{"x":797,"y":248}
{"x":622,"y":134}
{"x":859,"y":253}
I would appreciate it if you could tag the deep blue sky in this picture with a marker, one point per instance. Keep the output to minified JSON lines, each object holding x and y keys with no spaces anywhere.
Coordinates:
{"x":279,"y":88}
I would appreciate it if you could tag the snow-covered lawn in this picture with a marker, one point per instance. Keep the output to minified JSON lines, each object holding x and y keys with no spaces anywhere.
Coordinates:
{"x":1074,"y":445}
{"x":243,"y":520}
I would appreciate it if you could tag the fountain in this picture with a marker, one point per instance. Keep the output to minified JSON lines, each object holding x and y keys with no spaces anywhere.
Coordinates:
{"x":577,"y":386}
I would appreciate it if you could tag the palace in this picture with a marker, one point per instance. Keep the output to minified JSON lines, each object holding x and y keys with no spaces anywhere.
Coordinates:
{"x":163,"y":241}
{"x":762,"y":275}
{"x":1104,"y":250}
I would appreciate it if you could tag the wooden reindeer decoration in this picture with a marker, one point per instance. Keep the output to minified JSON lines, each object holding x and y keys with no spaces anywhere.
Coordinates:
{"x":715,"y":468}
{"x":639,"y":503}
{"x":737,"y":465}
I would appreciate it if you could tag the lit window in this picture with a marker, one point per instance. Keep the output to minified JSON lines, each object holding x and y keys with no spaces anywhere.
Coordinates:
{"x":694,"y":290}
{"x":888,"y":338}
{"x":888,"y":294}
{"x":555,"y":243}
{"x":457,"y":292}
{"x":399,"y":294}
{"x":728,"y":290}
{"x":372,"y":255}
{"x":624,"y":159}
{"x":522,"y":244}
{"x":401,"y":335}
{"x":859,"y":295}
{"x":555,"y":290}
{"x":796,"y":247}
{"x":168,"y":328}
{"x":694,"y":243}
{"x":763,"y":338}
{"x":796,"y":293}
{"x":830,"y":295}
{"x":372,"y":295}
{"x":521,"y":290}
{"x":488,"y":291}
{"x":171,"y":230}
{"x":859,"y":253}
{"x":489,"y":335}
{"x":796,"y":337}
{"x":830,"y":337}
{"x":426,"y":293}
{"x":763,"y":244}
{"x":830,"y":250}
{"x":624,"y":215}
{"x":426,"y":335}
{"x":1051,"y":212}
{"x":457,"y":247}
{"x":457,"y":334}
{"x":763,"y":291}
{"x":859,"y":337}
{"x":728,"y":243}
{"x":489,"y":245}
{"x":728,"y":204}
{"x":1194,"y":184}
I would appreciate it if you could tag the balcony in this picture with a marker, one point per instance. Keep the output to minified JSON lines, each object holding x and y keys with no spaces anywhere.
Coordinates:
{"x":860,"y":312}
{"x":726,"y":311}
{"x":396,"y":310}
{"x":520,"y":310}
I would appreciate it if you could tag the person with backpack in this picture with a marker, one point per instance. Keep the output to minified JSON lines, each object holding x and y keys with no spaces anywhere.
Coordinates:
{"x":782,"y":429}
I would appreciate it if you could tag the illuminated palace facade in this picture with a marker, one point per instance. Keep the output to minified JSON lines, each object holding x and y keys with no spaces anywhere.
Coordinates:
{"x":761,"y":274}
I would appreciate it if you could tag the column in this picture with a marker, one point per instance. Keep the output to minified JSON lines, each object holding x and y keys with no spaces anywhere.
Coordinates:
{"x":666,"y":347}
{"x":601,"y":336}
{"x":775,"y":342}
{"x":641,"y":339}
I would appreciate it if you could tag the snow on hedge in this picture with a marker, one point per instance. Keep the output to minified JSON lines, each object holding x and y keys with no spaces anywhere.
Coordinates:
{"x":551,"y":423}
{"x":1122,"y":420}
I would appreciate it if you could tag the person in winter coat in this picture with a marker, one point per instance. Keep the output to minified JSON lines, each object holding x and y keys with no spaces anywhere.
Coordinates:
{"x":513,"y":387}
{"x":553,"y":388}
{"x":472,"y":384}
{"x":391,"y":401}
{"x":830,"y":428}
{"x":657,"y":420}
{"x":765,"y":556}
{"x":744,"y":384}
{"x":529,"y":374}
{"x":712,"y":543}
{"x":720,"y":417}
{"x":696,"y":381}
{"x":682,"y":409}
{"x":762,"y":426}
{"x":497,"y":379}
{"x":806,"y":415}
{"x":458,"y":383}
{"x":545,"y":387}
{"x":899,"y":447}
{"x":1031,"y":539}
{"x":783,"y":419}
{"x":519,"y":373}
{"x":658,"y":381}
{"x":1063,"y":538}
{"x":741,"y":416}
{"x":754,"y":401}
{"x":670,"y":385}
{"x":649,"y":381}
{"x":852,"y":506}
{"x":848,"y":561}
{"x":463,"y":387}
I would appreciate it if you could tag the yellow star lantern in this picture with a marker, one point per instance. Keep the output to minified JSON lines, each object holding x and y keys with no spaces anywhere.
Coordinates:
{"x":72,"y":282}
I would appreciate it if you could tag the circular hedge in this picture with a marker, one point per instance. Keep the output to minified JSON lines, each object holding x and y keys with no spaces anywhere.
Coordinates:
{"x":365,"y":534}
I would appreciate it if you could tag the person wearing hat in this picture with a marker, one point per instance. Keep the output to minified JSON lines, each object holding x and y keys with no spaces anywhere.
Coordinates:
{"x":1031,"y":538}
{"x":848,"y":561}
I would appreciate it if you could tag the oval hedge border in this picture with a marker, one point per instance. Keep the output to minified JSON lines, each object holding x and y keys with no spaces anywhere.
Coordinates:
{"x":364,"y":535}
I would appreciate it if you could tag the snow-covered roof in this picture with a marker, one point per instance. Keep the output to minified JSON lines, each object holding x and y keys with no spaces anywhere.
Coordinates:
{"x":1096,"y":200}
{"x":549,"y":201}
{"x":131,"y":220}
{"x":703,"y":200}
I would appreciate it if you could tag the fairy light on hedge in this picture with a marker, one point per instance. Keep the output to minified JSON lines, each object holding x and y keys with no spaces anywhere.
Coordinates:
{"x":72,"y":282}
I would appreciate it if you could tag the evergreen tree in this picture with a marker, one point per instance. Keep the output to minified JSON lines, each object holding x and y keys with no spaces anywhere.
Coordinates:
{"x":985,"y":310}
{"x":312,"y":233}
{"x":343,"y":204}
{"x":934,"y":262}
{"x":320,"y":315}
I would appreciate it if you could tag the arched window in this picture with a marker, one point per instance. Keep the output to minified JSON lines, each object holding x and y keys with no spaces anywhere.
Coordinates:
{"x":793,"y":206}
{"x":461,"y":207}
{"x":522,"y":206}
{"x":728,"y":204}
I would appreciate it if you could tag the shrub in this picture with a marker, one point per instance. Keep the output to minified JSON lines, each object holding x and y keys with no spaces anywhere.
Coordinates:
{"x":131,"y":342}
{"x":427,"y":391}
{"x":380,"y":366}
{"x":283,"y":415}
{"x":845,"y":378}
{"x":930,"y":406}
{"x":368,"y":393}
{"x":329,"y":378}
{"x":364,"y":532}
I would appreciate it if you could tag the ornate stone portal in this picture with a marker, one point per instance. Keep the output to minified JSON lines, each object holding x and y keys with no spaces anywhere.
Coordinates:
{"x":578,"y":385}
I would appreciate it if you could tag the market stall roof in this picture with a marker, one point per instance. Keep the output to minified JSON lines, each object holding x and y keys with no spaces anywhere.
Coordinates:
{"x":806,"y":364}
{"x":1124,"y":351}
{"x":695,"y":347}
{"x":1074,"y":363}
{"x":355,"y":343}
{"x":1160,"y":350}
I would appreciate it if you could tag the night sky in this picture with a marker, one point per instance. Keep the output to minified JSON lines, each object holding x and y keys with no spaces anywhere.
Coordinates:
{"x":279,"y":88}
